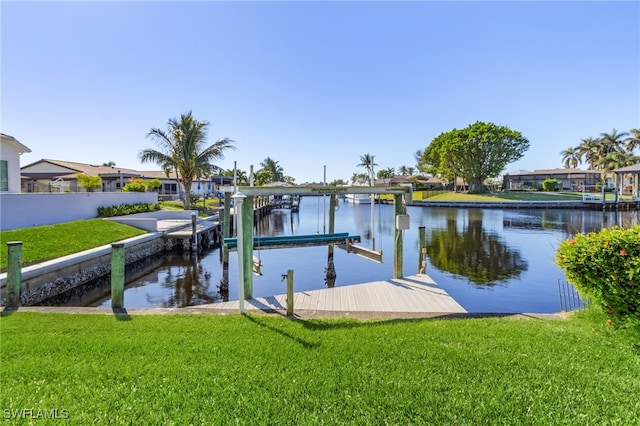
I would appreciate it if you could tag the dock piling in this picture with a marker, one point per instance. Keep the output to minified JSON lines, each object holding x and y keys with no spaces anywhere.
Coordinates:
{"x":422,"y":251}
{"x":14,"y":273}
{"x":290,"y":293}
{"x":117,"y":275}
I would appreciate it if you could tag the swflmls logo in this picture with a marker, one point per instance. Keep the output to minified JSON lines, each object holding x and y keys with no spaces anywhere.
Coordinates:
{"x":30,"y":413}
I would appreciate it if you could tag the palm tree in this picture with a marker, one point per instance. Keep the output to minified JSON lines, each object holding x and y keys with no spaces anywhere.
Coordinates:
{"x":367,"y":161}
{"x":403,"y":170}
{"x":571,"y":157}
{"x":272,"y":166}
{"x":633,"y":141}
{"x":386,"y":173}
{"x":182,"y":149}
{"x":591,"y":150}
{"x":613,"y":142}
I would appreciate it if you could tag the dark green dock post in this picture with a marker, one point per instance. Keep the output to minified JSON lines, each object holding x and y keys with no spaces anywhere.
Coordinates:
{"x":290,"y":293}
{"x":117,"y":275}
{"x":247,"y":243}
{"x":422,"y":251}
{"x":14,"y":273}
{"x":397,"y":237}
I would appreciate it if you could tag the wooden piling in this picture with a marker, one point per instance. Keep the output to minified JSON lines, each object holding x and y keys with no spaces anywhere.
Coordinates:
{"x":397,"y":237}
{"x":422,"y":251}
{"x":194,"y":231}
{"x":290,"y":293}
{"x":330,"y":271}
{"x":14,"y":273}
{"x":117,"y":275}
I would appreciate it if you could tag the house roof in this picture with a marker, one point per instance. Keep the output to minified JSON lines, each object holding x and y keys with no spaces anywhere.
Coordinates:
{"x":10,"y":139}
{"x":629,"y":169}
{"x":554,"y":172}
{"x":89,"y":169}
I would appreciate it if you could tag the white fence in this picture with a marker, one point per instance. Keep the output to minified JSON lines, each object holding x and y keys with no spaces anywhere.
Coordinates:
{"x":25,"y":210}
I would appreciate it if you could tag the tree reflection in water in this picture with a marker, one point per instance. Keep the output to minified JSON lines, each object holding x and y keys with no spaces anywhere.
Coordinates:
{"x":191,"y":286}
{"x":470,"y":251}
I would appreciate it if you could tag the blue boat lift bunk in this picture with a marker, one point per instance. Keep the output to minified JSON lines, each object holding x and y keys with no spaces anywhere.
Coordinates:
{"x":245,"y":242}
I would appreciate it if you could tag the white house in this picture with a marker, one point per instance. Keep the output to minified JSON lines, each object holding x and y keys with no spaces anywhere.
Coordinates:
{"x":10,"y":151}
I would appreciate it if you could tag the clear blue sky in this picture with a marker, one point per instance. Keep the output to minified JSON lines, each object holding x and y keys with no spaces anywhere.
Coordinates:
{"x":315,"y":83}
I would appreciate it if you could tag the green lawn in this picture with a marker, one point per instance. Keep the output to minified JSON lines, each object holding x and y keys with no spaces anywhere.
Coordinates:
{"x":508,"y":196}
{"x":232,"y":369}
{"x":41,"y":243}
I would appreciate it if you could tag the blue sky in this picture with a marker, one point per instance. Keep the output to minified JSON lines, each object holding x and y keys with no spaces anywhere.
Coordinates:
{"x":311,"y":84}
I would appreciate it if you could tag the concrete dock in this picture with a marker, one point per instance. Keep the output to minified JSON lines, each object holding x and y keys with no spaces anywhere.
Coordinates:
{"x":413,"y":296}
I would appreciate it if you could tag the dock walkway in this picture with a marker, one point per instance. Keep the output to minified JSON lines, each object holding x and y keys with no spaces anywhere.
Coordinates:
{"x":413,"y":296}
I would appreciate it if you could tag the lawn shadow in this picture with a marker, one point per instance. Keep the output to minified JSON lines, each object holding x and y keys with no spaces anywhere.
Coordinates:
{"x":304,"y":343}
{"x":121,"y":314}
{"x":7,"y":311}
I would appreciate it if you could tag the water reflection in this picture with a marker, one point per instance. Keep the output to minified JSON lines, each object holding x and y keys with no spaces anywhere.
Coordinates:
{"x":190,"y":283}
{"x":465,"y":247}
{"x":571,"y":222}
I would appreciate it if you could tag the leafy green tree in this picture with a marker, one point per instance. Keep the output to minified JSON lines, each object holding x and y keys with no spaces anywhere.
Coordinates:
{"x":367,"y":161}
{"x":475,"y":153}
{"x":338,"y":182}
{"x":275,"y":170}
{"x":89,"y":182}
{"x":571,"y":157}
{"x":386,"y":173}
{"x":183,"y":149}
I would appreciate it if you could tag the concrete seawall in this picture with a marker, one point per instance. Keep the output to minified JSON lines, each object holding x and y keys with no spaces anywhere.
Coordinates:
{"x":49,"y":279}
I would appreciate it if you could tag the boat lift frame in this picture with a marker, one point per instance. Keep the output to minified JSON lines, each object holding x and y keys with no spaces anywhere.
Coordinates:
{"x":245,"y":239}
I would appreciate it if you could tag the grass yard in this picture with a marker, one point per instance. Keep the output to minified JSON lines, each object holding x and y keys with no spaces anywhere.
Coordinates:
{"x":507,"y":196}
{"x":206,"y":369}
{"x":41,"y":243}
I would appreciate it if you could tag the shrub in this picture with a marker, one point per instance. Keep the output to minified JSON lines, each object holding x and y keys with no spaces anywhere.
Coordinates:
{"x":605,"y":267}
{"x":550,"y":184}
{"x":141,"y":185}
{"x":125,"y":209}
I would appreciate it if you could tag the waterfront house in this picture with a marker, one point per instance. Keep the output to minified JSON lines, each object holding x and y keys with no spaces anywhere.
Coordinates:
{"x":10,"y":151}
{"x":568,"y":179}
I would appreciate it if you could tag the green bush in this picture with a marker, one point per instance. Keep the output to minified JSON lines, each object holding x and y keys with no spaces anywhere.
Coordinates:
{"x":141,"y":185}
{"x":550,"y":184}
{"x":125,"y":209}
{"x":605,"y":267}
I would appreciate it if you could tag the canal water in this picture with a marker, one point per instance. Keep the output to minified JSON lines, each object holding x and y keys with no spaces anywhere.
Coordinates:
{"x":489,"y":260}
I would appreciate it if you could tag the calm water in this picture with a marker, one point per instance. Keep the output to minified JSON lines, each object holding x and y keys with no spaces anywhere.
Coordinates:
{"x":488,"y":260}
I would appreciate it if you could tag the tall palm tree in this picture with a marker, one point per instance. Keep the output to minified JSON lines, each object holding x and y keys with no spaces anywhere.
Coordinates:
{"x":367,"y":161}
{"x":633,"y":141}
{"x":613,"y":142}
{"x":591,"y":150}
{"x":183,"y":150}
{"x":571,"y":157}
{"x":272,"y":166}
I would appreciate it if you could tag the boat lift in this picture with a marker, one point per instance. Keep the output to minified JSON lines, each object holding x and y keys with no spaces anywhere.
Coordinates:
{"x":245,"y":242}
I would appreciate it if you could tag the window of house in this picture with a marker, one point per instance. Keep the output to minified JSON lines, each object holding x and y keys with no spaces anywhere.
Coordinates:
{"x":4,"y":175}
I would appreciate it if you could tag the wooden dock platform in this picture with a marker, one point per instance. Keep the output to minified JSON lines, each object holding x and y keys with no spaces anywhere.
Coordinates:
{"x":409,"y":297}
